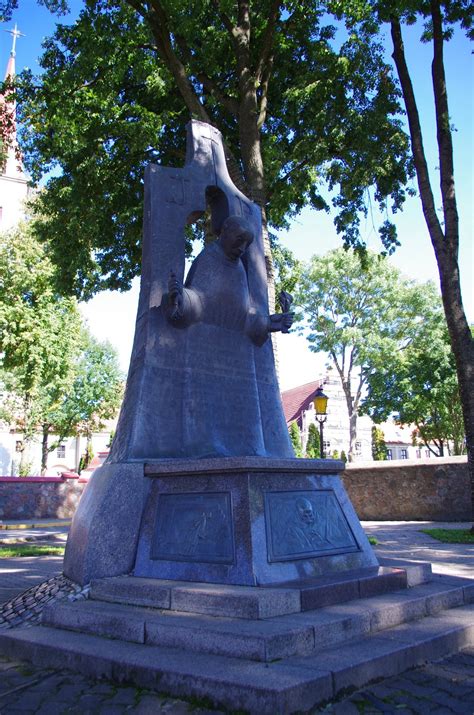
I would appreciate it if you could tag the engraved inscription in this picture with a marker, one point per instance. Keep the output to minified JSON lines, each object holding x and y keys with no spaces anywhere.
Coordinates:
{"x":194,"y":527}
{"x":307,"y":524}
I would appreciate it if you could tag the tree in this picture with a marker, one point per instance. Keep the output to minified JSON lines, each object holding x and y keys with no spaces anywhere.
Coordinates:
{"x":313,"y":450}
{"x":295,"y":437}
{"x":297,"y":109}
{"x":360,"y":313}
{"x":438,"y":20}
{"x":379,"y":448}
{"x":55,"y":376}
{"x":38,"y":334}
{"x":95,"y":394}
{"x":418,"y":386}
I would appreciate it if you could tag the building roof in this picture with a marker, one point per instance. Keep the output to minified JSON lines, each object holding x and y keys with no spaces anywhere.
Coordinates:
{"x":397,"y":434}
{"x":298,"y":399}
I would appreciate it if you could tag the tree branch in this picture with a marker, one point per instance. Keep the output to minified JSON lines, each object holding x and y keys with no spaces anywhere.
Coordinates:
{"x":267,"y":42}
{"x":228,"y":24}
{"x":158,"y":22}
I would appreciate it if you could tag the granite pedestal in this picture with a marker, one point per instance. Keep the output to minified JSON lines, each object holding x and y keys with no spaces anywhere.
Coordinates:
{"x":237,"y":520}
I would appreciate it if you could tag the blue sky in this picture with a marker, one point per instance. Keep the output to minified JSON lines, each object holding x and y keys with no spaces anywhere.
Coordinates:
{"x":112,"y":315}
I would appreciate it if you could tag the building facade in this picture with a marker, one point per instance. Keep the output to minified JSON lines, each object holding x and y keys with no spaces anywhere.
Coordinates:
{"x":298,"y":407}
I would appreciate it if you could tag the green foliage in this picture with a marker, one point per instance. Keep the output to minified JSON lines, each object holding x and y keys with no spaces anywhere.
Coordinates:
{"x":97,"y":390}
{"x":451,"y":536}
{"x":12,"y":552}
{"x":38,"y":335}
{"x":418,"y":386}
{"x":55,"y":376}
{"x":379,"y":448}
{"x":361,"y":313}
{"x":295,"y":438}
{"x":86,"y":458}
{"x":335,"y":454}
{"x":343,"y":456}
{"x":287,"y":267}
{"x":299,"y":111}
{"x":313,"y":450}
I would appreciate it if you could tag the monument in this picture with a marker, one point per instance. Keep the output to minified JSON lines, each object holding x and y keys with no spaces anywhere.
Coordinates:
{"x":201,"y":483}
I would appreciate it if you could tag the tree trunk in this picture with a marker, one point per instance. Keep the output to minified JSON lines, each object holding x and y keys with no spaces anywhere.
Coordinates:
{"x":445,"y":244}
{"x":44,"y":449}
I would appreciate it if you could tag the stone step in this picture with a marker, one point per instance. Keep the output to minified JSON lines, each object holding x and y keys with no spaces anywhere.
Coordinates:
{"x":287,"y":686}
{"x":302,"y":633}
{"x":252,"y":602}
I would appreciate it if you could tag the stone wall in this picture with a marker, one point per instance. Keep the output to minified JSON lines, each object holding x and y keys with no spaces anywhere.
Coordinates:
{"x":39,"y":497}
{"x":435,"y":489}
{"x":402,"y":490}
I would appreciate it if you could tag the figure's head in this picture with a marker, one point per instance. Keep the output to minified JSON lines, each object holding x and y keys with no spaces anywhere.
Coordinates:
{"x":305,"y":510}
{"x":236,"y":236}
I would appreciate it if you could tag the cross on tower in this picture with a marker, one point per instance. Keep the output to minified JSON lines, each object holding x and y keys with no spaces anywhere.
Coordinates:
{"x":14,"y":33}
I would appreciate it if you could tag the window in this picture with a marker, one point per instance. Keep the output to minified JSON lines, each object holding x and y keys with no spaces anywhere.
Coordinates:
{"x":427,"y":453}
{"x":403,"y":454}
{"x":61,"y":451}
{"x":18,"y":445}
{"x":418,"y":453}
{"x":326,"y":446}
{"x":358,"y":447}
{"x":389,"y":454}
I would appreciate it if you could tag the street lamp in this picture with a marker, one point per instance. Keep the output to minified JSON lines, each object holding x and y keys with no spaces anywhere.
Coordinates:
{"x":320,"y":406}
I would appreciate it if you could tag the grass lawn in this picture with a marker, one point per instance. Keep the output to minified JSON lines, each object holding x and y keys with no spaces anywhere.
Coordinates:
{"x":451,"y":536}
{"x":8,"y":552}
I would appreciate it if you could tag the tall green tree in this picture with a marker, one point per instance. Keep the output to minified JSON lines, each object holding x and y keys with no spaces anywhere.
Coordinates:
{"x":418,"y":386}
{"x":297,"y":106}
{"x":379,"y":447}
{"x":360,"y":313}
{"x":38,"y":334}
{"x":438,"y":19}
{"x":295,"y":438}
{"x":313,"y":447}
{"x":96,"y":392}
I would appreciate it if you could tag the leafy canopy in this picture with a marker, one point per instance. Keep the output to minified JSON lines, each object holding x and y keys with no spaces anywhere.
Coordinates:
{"x":418,"y":386}
{"x":318,"y":107}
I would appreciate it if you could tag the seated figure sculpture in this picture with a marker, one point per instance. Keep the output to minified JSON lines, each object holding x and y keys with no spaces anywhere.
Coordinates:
{"x":220,"y":389}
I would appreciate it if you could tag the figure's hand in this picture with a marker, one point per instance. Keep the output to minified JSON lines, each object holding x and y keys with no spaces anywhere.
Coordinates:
{"x":175,"y":295}
{"x":281,"y":322}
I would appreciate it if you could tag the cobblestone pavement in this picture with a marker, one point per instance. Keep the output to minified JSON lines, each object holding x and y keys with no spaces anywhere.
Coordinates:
{"x":440,"y":688}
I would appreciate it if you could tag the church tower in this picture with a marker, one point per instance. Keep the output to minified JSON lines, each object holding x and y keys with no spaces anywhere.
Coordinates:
{"x":13,"y":182}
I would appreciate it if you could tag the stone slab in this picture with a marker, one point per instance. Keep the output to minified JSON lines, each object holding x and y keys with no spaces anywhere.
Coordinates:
{"x":213,"y":599}
{"x":363,"y":583}
{"x":235,"y":601}
{"x":392,"y":651}
{"x":253,"y":687}
{"x":100,"y":619}
{"x":417,"y":572}
{"x":134,"y":591}
{"x":263,"y":640}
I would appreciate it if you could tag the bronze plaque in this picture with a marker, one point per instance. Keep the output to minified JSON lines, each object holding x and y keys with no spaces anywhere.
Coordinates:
{"x":306,"y":524}
{"x":194,"y":527}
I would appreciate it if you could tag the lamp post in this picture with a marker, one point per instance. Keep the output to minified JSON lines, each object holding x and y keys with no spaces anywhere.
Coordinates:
{"x":320,"y":406}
